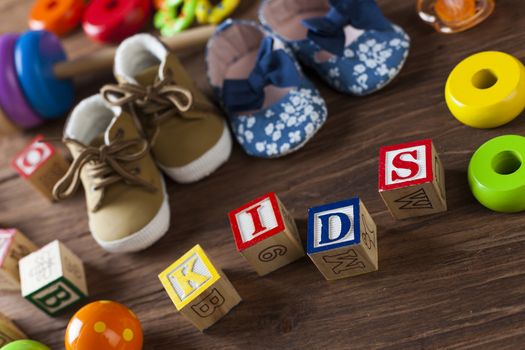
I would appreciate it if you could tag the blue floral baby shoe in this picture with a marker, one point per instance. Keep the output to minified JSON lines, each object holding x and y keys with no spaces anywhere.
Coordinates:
{"x":273,"y":109}
{"x":349,"y":43}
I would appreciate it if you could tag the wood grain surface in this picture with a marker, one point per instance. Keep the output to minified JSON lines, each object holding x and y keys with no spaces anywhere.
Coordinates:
{"x":454,"y":280}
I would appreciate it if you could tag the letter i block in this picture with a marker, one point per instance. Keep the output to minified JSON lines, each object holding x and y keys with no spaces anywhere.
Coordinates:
{"x":200,"y":292}
{"x":342,"y":239}
{"x":13,"y":247}
{"x":9,"y":332}
{"x":412,"y":179}
{"x":41,"y":165}
{"x":53,"y":278}
{"x":265,"y":234}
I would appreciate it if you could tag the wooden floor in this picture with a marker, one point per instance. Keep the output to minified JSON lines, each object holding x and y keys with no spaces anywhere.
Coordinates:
{"x":455,"y":280}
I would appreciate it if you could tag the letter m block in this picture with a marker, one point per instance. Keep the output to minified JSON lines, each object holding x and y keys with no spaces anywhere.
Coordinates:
{"x":412,"y":179}
{"x":52,"y":278}
{"x":200,"y":292}
{"x":342,"y":239}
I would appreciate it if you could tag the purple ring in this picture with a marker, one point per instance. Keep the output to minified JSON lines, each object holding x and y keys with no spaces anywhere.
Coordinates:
{"x":12,"y":99}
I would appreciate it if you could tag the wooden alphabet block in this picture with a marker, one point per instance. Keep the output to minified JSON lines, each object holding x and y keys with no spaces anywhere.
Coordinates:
{"x":412,"y":179}
{"x":342,"y":239}
{"x":53,"y":278}
{"x":41,"y":165}
{"x":13,"y":246}
{"x":9,"y":332}
{"x":265,"y":234}
{"x":200,"y":292}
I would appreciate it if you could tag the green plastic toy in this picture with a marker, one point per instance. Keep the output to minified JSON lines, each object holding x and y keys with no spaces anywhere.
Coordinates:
{"x":497,"y":176}
{"x":175,"y":16}
{"x":25,"y":345}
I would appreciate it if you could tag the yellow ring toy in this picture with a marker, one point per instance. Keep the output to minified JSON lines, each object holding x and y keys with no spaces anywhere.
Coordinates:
{"x":486,"y":90}
{"x":208,"y":14}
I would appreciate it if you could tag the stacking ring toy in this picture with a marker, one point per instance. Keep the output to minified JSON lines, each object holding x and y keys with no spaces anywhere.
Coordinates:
{"x":111,"y":21}
{"x":175,"y":16}
{"x":486,"y":90}
{"x":497,"y":176}
{"x":104,"y":325}
{"x":25,"y":344}
{"x":12,"y":99}
{"x":36,"y":52}
{"x":206,"y":13}
{"x":56,"y":16}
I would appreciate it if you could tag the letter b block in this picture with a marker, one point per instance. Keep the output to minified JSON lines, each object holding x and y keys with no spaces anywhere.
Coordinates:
{"x":412,"y":179}
{"x":200,"y":292}
{"x":342,"y":239}
{"x":52,"y":278}
{"x":265,"y":234}
{"x":13,"y":246}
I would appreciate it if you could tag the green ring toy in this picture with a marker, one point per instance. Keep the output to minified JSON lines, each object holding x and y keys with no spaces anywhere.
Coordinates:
{"x":496,"y":174}
{"x":208,"y":14}
{"x":25,"y":345}
{"x":175,"y":16}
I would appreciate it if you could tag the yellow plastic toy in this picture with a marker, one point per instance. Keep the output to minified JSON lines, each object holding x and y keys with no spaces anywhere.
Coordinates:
{"x":208,"y":14}
{"x":486,"y":90}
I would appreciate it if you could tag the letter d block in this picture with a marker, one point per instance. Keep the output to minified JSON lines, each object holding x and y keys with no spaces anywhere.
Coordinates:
{"x":200,"y":292}
{"x":412,"y":179}
{"x":265,"y":234}
{"x":13,"y":247}
{"x":52,"y":278}
{"x":9,"y":332}
{"x":41,"y":165}
{"x":342,"y":239}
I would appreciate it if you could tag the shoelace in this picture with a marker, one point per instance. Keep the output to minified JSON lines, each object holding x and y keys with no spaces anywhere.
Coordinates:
{"x":108,"y":167}
{"x":157,"y":101}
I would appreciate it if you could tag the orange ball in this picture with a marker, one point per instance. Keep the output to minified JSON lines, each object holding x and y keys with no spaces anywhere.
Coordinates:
{"x":104,"y":325}
{"x":56,"y":16}
{"x":451,"y":11}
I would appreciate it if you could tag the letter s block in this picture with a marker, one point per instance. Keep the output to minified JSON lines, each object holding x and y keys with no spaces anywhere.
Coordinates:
{"x":41,"y":165}
{"x":9,"y":332}
{"x":342,"y":239}
{"x":53,"y":278}
{"x":200,"y":292}
{"x":412,"y":179}
{"x":13,"y":246}
{"x":265,"y":234}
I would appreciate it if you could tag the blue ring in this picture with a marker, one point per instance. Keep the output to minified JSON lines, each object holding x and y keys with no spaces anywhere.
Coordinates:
{"x":36,"y":52}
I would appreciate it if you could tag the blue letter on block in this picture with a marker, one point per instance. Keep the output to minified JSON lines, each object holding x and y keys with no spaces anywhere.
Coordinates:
{"x":325,"y":227}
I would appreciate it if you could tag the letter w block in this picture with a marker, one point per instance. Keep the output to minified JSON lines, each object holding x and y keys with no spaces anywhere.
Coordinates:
{"x":412,"y":179}
{"x":200,"y":292}
{"x":342,"y":239}
{"x":52,"y":278}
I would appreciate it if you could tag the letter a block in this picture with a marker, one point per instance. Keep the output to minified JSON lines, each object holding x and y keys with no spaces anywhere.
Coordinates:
{"x":13,"y":247}
{"x":265,"y":234}
{"x":41,"y":165}
{"x":200,"y":292}
{"x":9,"y":332}
{"x":412,"y":179}
{"x":342,"y":239}
{"x":53,"y":278}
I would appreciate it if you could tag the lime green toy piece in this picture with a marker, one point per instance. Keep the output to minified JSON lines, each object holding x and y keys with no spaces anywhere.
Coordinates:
{"x":208,"y":14}
{"x":25,"y":345}
{"x":496,"y":174}
{"x":175,"y":16}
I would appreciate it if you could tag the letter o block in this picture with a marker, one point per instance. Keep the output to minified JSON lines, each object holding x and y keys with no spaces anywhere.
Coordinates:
{"x":412,"y":179}
{"x":13,"y":246}
{"x":265,"y":234}
{"x":9,"y":332}
{"x":52,"y":278}
{"x":342,"y":239}
{"x":200,"y":292}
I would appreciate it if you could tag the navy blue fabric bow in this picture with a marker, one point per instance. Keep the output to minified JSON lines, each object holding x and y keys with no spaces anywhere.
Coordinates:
{"x":328,"y":31}
{"x":272,"y":67}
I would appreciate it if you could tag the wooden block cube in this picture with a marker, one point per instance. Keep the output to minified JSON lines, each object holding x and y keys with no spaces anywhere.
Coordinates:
{"x":200,"y":291}
{"x":13,"y":246}
{"x":265,"y":234}
{"x":9,"y":332}
{"x":41,"y":165}
{"x":53,"y":278}
{"x":342,"y":239}
{"x":412,"y":179}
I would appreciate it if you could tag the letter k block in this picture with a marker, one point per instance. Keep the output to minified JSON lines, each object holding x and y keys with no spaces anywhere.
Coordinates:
{"x":342,"y":239}
{"x":412,"y":179}
{"x":200,"y":292}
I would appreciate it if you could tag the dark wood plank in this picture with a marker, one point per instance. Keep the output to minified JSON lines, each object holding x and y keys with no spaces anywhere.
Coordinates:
{"x":453,"y":280}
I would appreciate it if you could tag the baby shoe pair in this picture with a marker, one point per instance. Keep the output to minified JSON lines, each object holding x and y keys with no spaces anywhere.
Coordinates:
{"x":273,"y":108}
{"x":154,"y":118}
